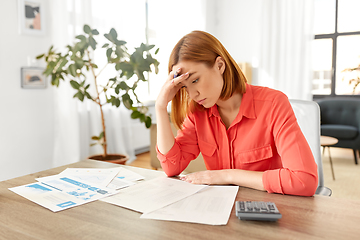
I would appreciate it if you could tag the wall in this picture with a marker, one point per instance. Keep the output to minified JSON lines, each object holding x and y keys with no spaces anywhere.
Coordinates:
{"x":26,"y":125}
{"x":236,"y":23}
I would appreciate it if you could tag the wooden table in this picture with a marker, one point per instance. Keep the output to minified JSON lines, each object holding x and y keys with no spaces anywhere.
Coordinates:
{"x":327,"y":142}
{"x":303,"y":217}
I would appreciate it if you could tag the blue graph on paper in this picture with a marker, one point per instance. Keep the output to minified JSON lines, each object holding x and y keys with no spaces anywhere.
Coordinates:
{"x":38,"y":188}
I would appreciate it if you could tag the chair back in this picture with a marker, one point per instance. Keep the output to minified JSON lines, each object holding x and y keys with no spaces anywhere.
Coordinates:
{"x":308,"y":118}
{"x":343,"y":111}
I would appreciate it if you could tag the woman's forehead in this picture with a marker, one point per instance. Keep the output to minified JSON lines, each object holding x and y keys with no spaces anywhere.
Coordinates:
{"x":189,"y":66}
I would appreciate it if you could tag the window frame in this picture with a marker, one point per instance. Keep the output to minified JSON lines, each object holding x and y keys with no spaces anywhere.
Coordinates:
{"x":334,"y":36}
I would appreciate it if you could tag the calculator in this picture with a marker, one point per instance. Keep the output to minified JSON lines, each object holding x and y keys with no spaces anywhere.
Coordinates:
{"x":260,"y":211}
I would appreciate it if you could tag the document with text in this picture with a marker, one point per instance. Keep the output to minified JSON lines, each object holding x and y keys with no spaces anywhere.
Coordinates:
{"x":62,"y":192}
{"x":211,"y":205}
{"x":153,"y":194}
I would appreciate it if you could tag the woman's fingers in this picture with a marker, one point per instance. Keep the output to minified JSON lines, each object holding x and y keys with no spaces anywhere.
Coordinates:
{"x":170,"y":88}
{"x":176,"y":78}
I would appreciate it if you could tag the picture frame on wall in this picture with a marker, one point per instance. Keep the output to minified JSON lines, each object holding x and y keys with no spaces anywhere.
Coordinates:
{"x":32,"y":17}
{"x":33,"y":78}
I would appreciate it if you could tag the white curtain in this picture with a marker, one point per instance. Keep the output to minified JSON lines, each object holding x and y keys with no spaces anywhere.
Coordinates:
{"x":285,"y":51}
{"x":75,"y":121}
{"x":168,"y":22}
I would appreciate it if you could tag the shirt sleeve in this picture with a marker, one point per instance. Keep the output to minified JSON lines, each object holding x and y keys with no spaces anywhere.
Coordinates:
{"x":184,"y":150}
{"x":299,"y":173}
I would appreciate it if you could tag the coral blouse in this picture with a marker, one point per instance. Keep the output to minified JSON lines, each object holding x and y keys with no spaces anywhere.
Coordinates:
{"x":265,"y":136}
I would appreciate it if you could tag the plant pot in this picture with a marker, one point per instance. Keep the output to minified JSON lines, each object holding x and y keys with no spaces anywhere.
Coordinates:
{"x":113,"y":158}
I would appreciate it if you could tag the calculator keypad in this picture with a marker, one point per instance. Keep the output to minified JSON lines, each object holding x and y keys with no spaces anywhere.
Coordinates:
{"x":254,"y":210}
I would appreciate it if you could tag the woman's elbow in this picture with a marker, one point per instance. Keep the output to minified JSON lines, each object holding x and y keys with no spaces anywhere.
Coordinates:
{"x":170,"y":168}
{"x":306,"y":185}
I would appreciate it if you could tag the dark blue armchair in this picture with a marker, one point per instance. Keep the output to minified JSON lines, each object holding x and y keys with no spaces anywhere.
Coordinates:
{"x":340,"y":118}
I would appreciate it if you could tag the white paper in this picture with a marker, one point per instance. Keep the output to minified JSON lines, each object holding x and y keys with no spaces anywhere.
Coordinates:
{"x":211,"y":205}
{"x":153,"y":194}
{"x":99,"y":176}
{"x":125,"y":174}
{"x":118,"y":183}
{"x":124,"y":178}
{"x":61,"y":192}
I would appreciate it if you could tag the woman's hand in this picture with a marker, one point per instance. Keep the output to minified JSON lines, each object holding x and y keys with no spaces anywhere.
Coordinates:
{"x":170,"y":88}
{"x":210,"y":177}
{"x":238,"y":177}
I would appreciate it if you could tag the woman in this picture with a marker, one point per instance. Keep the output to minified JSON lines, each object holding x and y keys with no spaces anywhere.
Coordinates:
{"x":248,"y":135}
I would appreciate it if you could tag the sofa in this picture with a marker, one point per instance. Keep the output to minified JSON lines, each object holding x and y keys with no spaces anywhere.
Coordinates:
{"x":340,"y":118}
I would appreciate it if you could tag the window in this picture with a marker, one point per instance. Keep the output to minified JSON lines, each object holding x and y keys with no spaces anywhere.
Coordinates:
{"x":336,"y":47}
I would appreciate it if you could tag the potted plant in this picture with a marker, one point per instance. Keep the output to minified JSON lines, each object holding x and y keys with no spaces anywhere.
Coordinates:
{"x":77,"y":65}
{"x":354,"y":75}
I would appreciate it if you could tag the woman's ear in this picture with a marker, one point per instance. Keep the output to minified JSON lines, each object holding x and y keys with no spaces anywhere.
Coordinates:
{"x":220,"y":64}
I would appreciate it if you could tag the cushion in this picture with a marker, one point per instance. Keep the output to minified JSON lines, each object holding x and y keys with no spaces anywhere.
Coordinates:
{"x":339,"y":131}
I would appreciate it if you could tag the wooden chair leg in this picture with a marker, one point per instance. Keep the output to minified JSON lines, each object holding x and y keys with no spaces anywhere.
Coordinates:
{"x":355,"y":156}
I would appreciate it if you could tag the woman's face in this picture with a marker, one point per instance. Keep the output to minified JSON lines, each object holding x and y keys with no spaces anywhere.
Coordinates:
{"x":204,"y":84}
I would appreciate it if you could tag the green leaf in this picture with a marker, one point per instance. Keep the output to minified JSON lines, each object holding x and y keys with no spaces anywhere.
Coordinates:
{"x":87,"y":29}
{"x":127,"y":101}
{"x":101,"y":135}
{"x":117,"y":102}
{"x":142,"y":117}
{"x":81,"y":38}
{"x":75,"y":84}
{"x":126,"y":67}
{"x":119,"y":42}
{"x":148,"y":122}
{"x":92,"y":42}
{"x":117,"y":89}
{"x":135,"y":114}
{"x":79,"y":63}
{"x":113,"y":34}
{"x":79,"y":95}
{"x":88,"y":95}
{"x":72,"y":70}
{"x":157,"y":50}
{"x":105,"y":45}
{"x":123,"y":85}
{"x":55,"y":82}
{"x":62,"y":64}
{"x":40,"y":56}
{"x":109,"y":37}
{"x":95,"y":32}
{"x":119,"y":52}
{"x":96,"y":138}
{"x":108,"y":53}
{"x":49,"y":69}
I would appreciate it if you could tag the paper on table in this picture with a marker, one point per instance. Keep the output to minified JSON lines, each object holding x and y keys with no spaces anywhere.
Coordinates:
{"x":60,"y":192}
{"x":128,"y":175}
{"x":99,"y":176}
{"x":211,"y":205}
{"x":124,"y":178}
{"x":153,"y":194}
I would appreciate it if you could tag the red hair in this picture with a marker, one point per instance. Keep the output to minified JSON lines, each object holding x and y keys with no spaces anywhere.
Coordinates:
{"x":199,"y":46}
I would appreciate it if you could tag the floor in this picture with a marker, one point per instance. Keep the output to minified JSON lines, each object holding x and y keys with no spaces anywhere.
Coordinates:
{"x":347,"y":174}
{"x":142,"y":160}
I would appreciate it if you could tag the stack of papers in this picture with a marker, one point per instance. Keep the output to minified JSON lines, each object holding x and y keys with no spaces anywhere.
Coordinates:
{"x":161,"y":198}
{"x":76,"y":186}
{"x":171,"y":199}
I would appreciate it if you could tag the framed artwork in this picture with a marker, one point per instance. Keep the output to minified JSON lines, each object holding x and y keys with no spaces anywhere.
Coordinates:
{"x":33,"y":77}
{"x":31,"y":17}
